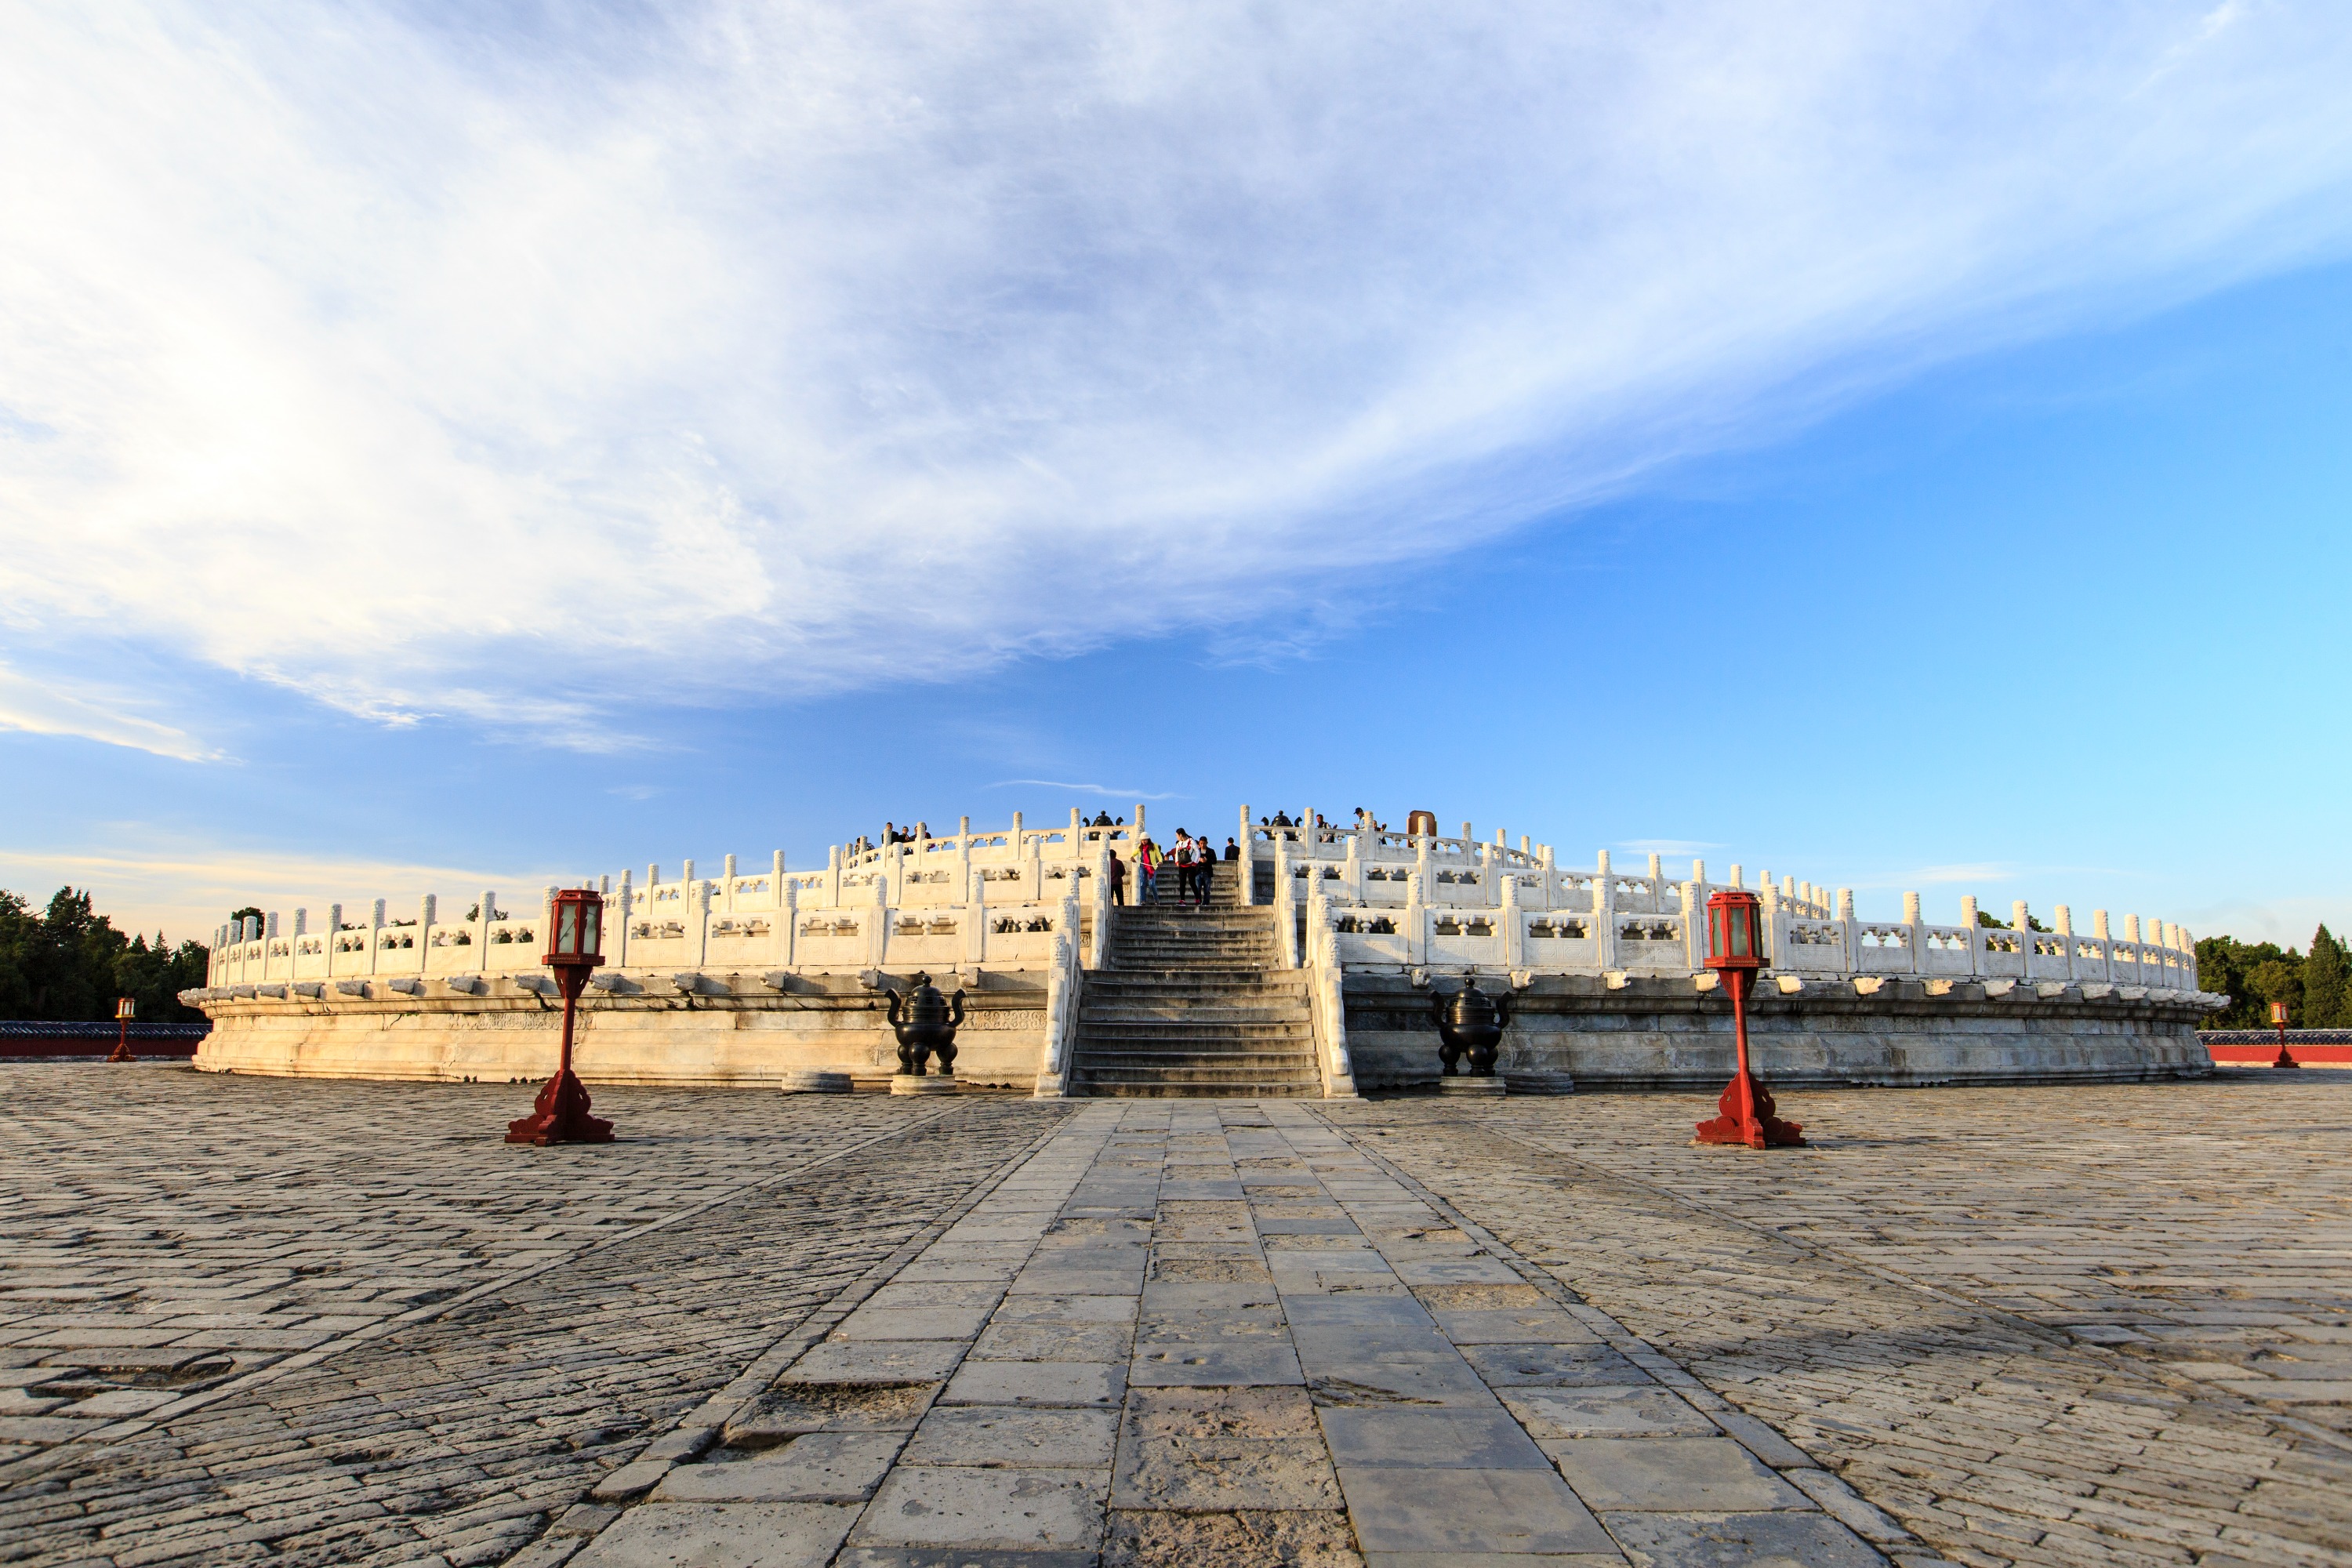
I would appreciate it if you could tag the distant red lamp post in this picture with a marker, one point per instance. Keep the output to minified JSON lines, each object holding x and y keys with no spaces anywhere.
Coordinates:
{"x":1735,"y":950}
{"x":575,"y":946}
{"x":2278,"y":1017}
{"x":125,"y":1010}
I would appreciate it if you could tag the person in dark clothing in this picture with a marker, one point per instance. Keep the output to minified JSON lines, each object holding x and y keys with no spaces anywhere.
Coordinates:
{"x":1117,"y":878}
{"x":1233,"y":850}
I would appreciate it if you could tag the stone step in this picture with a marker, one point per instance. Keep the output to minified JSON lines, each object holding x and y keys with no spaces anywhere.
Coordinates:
{"x":1160,"y":1088}
{"x":1160,"y":1035}
{"x":1191,"y":1003}
{"x":1176,"y":982}
{"x":1160,"y":1013}
{"x":1283,"y":1068}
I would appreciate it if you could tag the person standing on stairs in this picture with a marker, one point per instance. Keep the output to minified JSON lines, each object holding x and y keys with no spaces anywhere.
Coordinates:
{"x":1146,"y":871}
{"x":1117,"y":878}
{"x":1182,"y":856}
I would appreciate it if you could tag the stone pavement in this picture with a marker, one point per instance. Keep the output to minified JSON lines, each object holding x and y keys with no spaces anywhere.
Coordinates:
{"x":2086,"y":1325}
{"x":333,"y":1322}
{"x":325,"y":1322}
{"x":1219,"y":1332}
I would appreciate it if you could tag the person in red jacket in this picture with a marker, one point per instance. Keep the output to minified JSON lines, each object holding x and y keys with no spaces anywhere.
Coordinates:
{"x":1146,"y":871}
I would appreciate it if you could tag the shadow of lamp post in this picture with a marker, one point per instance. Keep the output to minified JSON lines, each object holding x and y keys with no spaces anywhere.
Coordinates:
{"x":575,"y":946}
{"x":1735,"y":950}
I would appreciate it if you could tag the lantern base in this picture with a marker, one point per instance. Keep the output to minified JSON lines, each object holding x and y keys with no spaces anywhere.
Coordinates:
{"x":122,"y":1053}
{"x":561,"y":1116}
{"x":1746,"y":1106}
{"x":927,"y":1083}
{"x":2283,"y":1060}
{"x":1486,"y":1084}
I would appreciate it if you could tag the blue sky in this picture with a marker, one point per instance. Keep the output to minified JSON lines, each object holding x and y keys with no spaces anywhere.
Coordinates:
{"x":1900,"y":456}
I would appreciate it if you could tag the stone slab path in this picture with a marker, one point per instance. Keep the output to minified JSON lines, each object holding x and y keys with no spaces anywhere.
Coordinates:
{"x":1221,"y":1332}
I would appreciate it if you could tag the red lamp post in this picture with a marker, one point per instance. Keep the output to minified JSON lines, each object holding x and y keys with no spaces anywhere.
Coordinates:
{"x":575,"y":946}
{"x":125,"y":1010}
{"x":2278,"y":1017}
{"x":1735,"y":950}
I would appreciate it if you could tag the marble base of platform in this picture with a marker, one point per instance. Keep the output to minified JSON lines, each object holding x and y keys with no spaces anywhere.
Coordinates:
{"x":815,"y":1080}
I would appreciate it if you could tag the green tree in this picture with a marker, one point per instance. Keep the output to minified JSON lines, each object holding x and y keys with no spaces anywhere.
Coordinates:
{"x":2323,"y":1002}
{"x":68,"y":963}
{"x":2230,"y":966}
{"x":2278,"y":980}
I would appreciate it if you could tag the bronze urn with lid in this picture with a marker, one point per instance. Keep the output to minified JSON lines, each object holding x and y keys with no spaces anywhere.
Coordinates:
{"x":1470,"y":1023}
{"x":925,"y":1022}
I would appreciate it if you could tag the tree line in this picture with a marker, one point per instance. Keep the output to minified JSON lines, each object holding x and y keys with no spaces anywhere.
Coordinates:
{"x":68,"y":965}
{"x":2255,"y":974}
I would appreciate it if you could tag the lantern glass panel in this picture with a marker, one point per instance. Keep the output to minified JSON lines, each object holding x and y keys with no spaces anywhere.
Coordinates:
{"x":567,"y":928}
{"x":1742,"y":936}
{"x":1715,"y":945}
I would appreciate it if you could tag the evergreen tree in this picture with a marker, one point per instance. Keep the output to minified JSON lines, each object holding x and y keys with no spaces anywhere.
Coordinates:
{"x":2323,"y":1002}
{"x":68,"y":965}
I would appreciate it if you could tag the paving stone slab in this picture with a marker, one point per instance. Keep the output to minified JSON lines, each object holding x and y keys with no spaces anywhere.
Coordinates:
{"x":1378,"y":1436}
{"x":823,"y":1467}
{"x":711,"y":1535}
{"x":1043,"y":1382}
{"x":1738,"y":1541}
{"x":876,"y":1360}
{"x":1587,"y":1365}
{"x":1162,"y":1363}
{"x":1691,"y":1474}
{"x":1034,"y":1341}
{"x":1022,"y":1438}
{"x":1244,"y":1539}
{"x":1000,"y":1509}
{"x":1641,"y":1411}
{"x":1503,"y":1326}
{"x":1049,"y":1308}
{"x":1396,"y":1508}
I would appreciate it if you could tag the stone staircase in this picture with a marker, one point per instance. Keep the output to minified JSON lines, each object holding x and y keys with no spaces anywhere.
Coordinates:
{"x":1191,"y":1003}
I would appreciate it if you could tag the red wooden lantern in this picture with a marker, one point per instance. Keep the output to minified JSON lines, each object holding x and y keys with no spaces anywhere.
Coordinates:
{"x":1735,"y":950}
{"x":575,"y":946}
{"x":125,"y":1010}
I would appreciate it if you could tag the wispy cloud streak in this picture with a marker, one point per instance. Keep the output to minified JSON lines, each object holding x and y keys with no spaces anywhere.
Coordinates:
{"x":435,"y":370}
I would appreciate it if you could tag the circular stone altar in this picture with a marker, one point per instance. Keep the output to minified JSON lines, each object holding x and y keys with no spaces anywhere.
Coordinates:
{"x":1311,"y":969}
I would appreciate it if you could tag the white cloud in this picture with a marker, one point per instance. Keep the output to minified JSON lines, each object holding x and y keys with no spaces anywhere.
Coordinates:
{"x":512,"y":378}
{"x":53,"y":707}
{"x":1109,"y":791}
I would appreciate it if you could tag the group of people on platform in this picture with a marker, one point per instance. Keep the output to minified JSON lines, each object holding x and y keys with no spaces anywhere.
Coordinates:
{"x":1193,"y":861}
{"x":1365,"y":822}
